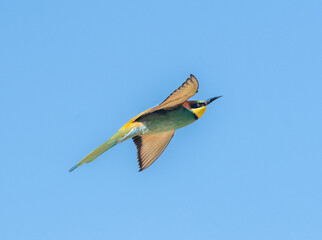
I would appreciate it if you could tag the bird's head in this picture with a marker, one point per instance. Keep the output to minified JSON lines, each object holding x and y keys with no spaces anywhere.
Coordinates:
{"x":199,"y":107}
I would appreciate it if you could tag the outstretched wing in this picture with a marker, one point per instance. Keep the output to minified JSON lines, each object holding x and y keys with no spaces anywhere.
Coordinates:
{"x":188,"y":89}
{"x":150,"y":147}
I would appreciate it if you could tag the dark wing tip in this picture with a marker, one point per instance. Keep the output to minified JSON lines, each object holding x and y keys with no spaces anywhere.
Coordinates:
{"x":192,"y":77}
{"x":138,"y":143}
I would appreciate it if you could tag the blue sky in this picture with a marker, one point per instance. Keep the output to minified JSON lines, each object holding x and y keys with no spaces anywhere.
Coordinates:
{"x":73,"y":72}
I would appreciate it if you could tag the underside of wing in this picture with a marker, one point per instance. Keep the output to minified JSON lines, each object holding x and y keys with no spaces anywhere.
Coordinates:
{"x":188,"y":89}
{"x":150,"y":147}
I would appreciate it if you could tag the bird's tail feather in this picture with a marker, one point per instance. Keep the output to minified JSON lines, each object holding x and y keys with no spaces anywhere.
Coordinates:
{"x":118,"y":137}
{"x":94,"y":154}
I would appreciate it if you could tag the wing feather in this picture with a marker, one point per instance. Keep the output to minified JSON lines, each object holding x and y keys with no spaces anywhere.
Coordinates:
{"x":188,"y":89}
{"x":150,"y":147}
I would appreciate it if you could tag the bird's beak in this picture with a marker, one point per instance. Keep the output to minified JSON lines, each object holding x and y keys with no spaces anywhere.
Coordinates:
{"x":211,"y":100}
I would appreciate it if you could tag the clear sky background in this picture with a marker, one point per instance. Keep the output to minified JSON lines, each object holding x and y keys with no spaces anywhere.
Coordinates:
{"x":73,"y":72}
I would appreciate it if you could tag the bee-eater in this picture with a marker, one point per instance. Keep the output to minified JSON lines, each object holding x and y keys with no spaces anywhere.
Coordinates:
{"x":153,"y":129}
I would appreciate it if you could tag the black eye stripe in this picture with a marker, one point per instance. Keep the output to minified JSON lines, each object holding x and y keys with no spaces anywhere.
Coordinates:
{"x":197,"y":105}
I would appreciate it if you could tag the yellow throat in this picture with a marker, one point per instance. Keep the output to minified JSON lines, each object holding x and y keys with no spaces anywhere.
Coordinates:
{"x":199,"y":111}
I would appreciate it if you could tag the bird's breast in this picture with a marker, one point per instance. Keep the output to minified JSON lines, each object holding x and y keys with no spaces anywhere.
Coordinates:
{"x":167,"y":120}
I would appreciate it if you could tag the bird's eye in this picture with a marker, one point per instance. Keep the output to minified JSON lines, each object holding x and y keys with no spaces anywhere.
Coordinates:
{"x":196,"y":105}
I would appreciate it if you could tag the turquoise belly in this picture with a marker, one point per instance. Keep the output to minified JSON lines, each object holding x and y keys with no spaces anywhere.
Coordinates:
{"x":164,"y":120}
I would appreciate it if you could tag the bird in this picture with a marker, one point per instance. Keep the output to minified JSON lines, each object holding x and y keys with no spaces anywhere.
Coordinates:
{"x":152,"y":130}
